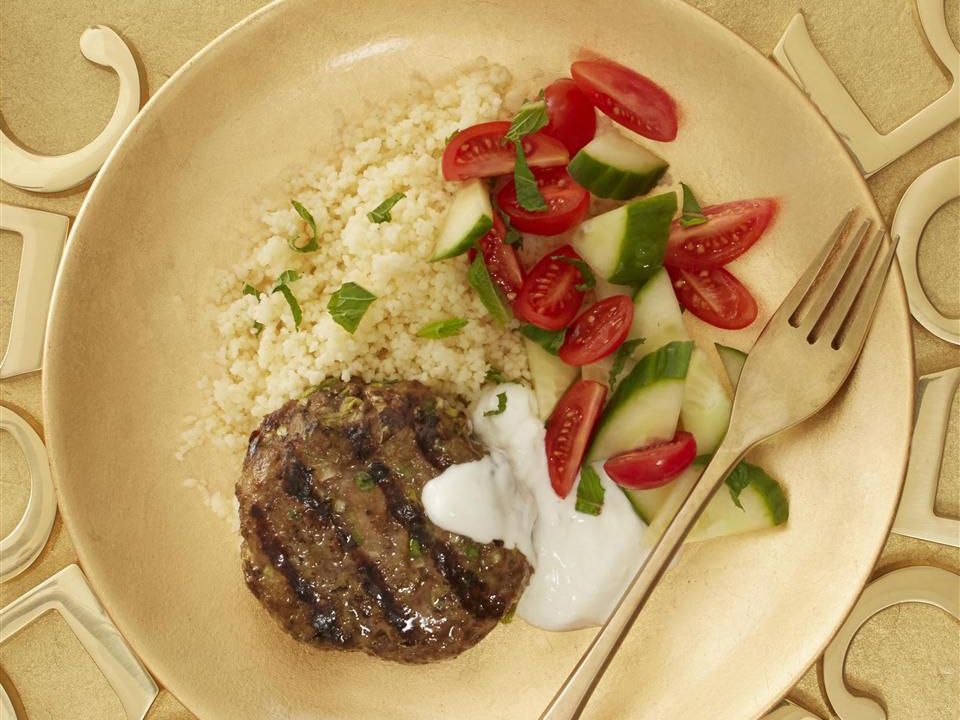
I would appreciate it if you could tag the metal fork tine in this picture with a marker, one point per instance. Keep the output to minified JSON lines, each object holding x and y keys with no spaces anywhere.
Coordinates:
{"x":796,"y":295}
{"x":821,"y":295}
{"x":854,"y":332}
{"x":832,"y":320}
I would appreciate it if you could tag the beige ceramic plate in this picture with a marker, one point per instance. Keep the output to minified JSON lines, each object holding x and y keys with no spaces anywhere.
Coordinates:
{"x":731,"y":628}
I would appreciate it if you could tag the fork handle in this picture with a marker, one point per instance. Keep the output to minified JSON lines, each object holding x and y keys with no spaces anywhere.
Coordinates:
{"x":572,"y":698}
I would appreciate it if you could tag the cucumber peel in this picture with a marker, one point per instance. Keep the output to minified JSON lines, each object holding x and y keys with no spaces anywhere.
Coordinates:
{"x":646,"y":404}
{"x":469,"y":218}
{"x":751,"y":500}
{"x":612,"y":166}
{"x":625,"y":246}
{"x":656,"y":319}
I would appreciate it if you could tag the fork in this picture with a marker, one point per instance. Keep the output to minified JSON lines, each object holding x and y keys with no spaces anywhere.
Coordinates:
{"x":816,"y":334}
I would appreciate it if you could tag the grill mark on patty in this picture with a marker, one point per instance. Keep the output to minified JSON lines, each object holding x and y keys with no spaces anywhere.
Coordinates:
{"x":359,"y":430}
{"x":426,"y":430}
{"x":470,"y":590}
{"x":279,"y":557}
{"x":252,"y":444}
{"x":298,"y":483}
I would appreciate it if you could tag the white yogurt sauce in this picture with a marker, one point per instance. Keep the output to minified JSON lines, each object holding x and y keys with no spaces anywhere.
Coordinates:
{"x":582,"y":563}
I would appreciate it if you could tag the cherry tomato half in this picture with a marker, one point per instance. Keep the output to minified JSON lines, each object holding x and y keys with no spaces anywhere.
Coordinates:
{"x":479,"y":151}
{"x":715,"y":296}
{"x":501,"y":259}
{"x":730,"y":230}
{"x":549,"y":297}
{"x":629,"y":98}
{"x":568,"y":432}
{"x":653,"y":465}
{"x":567,"y":204}
{"x":599,"y":330}
{"x":573,"y":121}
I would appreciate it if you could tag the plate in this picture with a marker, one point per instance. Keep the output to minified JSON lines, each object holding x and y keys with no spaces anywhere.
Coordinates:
{"x":731,"y":628}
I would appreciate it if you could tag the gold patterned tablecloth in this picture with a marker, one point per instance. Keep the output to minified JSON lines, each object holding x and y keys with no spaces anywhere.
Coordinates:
{"x":53,"y":101}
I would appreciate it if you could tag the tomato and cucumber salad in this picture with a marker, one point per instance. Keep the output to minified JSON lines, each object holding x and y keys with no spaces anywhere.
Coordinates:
{"x":482,"y":151}
{"x":551,"y":294}
{"x":602,"y":306}
{"x":715,"y":296}
{"x":598,"y":331}
{"x":731,"y":229}
{"x":628,"y":98}
{"x":501,"y":259}
{"x":569,"y":430}
{"x":571,"y":117}
{"x":567,"y":204}
{"x":654,"y":465}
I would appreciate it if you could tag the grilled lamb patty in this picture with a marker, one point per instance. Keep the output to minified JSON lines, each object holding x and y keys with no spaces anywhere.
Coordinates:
{"x":336,"y":543}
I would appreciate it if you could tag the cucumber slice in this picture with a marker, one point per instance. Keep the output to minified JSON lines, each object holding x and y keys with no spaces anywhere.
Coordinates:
{"x":551,"y":376}
{"x":656,"y":313}
{"x":626,"y":245}
{"x":647,"y":503}
{"x":468,"y":219}
{"x":705,"y":412}
{"x":611,"y":166}
{"x":646,"y":404}
{"x":733,"y":361}
{"x":656,"y":319}
{"x":763,"y":504}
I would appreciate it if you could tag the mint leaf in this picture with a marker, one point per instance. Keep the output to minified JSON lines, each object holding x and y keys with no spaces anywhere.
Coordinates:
{"x":451,"y":136}
{"x":249,"y":289}
{"x":736,"y":481}
{"x":513,"y":236}
{"x":549,"y":340}
{"x":528,"y":194}
{"x":620,"y":358}
{"x":589,"y":280}
{"x":442,"y":328}
{"x":495,"y":376}
{"x":292,"y":302}
{"x":416,"y":549}
{"x":692,"y":214}
{"x":531,"y":116}
{"x":364,"y":481}
{"x":314,"y":242}
{"x":381,"y":213}
{"x":287,"y":276}
{"x":348,"y":305}
{"x":501,"y":405}
{"x":479,"y":279}
{"x":589,"y":492}
{"x":744,"y":475}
